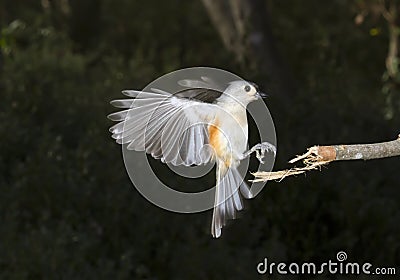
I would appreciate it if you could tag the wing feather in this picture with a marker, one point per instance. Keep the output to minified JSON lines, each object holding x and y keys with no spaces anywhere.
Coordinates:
{"x":168,"y":127}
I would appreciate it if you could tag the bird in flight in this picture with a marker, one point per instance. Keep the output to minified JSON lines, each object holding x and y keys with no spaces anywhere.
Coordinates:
{"x":199,"y":124}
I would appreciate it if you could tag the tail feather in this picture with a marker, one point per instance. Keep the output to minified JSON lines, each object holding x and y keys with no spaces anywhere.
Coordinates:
{"x":227,"y":197}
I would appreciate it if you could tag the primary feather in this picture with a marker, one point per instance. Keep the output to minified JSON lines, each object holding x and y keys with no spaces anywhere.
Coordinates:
{"x":168,"y":127}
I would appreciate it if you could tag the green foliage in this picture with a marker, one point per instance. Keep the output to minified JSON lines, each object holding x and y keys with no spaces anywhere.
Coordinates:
{"x":67,"y":208}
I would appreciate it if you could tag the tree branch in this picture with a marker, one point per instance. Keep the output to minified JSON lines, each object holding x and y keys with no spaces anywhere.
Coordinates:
{"x":392,"y":56}
{"x":318,"y":156}
{"x":245,"y":30}
{"x":220,"y":16}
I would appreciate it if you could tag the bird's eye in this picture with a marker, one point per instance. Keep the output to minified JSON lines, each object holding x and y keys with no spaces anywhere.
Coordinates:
{"x":247,"y":88}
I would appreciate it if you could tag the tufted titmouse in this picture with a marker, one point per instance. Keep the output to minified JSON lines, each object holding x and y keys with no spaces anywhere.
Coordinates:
{"x":200,"y":124}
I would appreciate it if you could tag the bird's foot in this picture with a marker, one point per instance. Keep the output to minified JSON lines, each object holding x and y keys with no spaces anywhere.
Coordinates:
{"x":260,"y":150}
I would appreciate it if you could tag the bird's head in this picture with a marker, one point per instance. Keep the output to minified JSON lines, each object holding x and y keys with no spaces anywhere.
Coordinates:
{"x":244,"y":92}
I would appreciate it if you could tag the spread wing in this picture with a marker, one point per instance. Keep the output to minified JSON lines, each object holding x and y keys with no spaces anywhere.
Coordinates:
{"x":205,"y":95}
{"x":171,"y":127}
{"x":204,"y":83}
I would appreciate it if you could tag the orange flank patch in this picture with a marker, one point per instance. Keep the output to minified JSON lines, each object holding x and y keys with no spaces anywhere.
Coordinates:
{"x":214,"y":132}
{"x":216,"y":138}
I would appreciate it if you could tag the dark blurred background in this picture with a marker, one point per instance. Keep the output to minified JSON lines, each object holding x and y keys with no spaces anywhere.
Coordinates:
{"x":67,"y":207}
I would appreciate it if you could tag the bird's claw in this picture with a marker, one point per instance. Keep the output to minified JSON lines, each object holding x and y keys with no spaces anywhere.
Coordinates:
{"x":260,"y":156}
{"x":260,"y":150}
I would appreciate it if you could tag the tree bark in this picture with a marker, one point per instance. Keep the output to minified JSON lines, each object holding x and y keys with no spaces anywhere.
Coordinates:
{"x":358,"y":151}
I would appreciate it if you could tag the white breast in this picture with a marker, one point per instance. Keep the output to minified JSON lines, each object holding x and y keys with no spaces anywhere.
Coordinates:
{"x":233,"y":123}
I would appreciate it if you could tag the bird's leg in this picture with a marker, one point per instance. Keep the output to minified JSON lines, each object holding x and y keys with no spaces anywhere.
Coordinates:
{"x":260,"y":150}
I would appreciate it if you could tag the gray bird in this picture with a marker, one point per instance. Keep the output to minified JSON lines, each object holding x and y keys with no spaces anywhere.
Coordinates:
{"x":197,"y":125}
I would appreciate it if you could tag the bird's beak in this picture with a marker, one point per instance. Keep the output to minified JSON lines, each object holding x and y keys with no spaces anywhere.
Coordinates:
{"x":261,"y":95}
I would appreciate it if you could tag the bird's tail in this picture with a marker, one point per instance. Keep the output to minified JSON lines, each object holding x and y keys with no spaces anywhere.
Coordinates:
{"x":227,"y":197}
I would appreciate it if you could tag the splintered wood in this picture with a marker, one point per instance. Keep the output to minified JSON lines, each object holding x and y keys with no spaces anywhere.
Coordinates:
{"x":318,"y":156}
{"x":312,"y":160}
